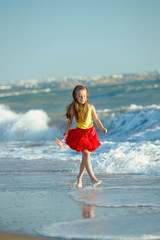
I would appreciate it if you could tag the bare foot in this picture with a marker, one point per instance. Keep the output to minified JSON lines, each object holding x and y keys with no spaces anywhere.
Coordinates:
{"x":79,"y":183}
{"x":96,"y":183}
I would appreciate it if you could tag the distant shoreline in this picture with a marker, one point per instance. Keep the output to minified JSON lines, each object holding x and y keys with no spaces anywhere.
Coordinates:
{"x":111,"y":79}
{"x":69,"y":82}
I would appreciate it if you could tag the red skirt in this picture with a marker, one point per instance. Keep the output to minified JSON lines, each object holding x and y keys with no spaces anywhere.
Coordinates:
{"x":80,"y":139}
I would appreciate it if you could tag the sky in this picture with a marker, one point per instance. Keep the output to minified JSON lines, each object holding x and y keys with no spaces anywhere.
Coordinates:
{"x":63,"y":38}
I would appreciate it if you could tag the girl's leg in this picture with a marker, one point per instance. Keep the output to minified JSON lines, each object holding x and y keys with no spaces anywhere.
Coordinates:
{"x":81,"y":172}
{"x":87,"y":164}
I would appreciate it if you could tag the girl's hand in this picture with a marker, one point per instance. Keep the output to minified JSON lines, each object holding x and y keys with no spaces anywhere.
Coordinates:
{"x":104,"y":130}
{"x":65,"y":136}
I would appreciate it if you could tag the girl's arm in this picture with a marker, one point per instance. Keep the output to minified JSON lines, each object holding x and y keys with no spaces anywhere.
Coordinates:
{"x":69,"y":124}
{"x":97,"y":121}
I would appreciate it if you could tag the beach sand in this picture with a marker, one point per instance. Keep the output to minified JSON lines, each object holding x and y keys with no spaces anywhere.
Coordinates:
{"x":7,"y":236}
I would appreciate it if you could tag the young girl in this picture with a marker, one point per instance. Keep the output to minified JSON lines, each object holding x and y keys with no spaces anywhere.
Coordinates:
{"x":85,"y":137}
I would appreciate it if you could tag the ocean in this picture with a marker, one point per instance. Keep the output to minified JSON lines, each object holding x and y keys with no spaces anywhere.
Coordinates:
{"x":37,"y":178}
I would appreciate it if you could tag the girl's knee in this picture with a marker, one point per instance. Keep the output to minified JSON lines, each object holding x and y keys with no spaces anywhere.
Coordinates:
{"x":86,"y":152}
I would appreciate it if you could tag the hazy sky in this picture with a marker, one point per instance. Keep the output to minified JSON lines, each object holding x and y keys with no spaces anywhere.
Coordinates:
{"x":56,"y":38}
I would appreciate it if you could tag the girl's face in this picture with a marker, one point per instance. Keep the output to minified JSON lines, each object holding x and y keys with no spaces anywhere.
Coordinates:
{"x":81,"y":96}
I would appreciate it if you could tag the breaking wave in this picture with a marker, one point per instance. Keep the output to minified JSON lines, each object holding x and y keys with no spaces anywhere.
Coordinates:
{"x":30,"y":126}
{"x":132,"y":145}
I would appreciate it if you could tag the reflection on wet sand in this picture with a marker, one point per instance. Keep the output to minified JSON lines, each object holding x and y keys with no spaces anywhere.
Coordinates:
{"x":90,"y":196}
{"x":88,"y":211}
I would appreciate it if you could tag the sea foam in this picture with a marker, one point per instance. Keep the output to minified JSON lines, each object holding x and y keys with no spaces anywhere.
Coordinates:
{"x":115,"y":227}
{"x":133,"y":123}
{"x":131,"y":146}
{"x":32,"y":125}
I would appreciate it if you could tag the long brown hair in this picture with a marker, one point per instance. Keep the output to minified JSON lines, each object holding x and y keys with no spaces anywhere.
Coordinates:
{"x":75,"y":106}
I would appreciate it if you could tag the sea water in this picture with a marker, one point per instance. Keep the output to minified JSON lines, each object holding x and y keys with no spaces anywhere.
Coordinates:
{"x":37,"y":187}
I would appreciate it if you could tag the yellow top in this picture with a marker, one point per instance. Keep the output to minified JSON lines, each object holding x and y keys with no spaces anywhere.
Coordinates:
{"x":89,"y":121}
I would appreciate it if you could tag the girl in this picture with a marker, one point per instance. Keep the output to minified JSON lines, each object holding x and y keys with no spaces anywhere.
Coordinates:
{"x":85,"y":137}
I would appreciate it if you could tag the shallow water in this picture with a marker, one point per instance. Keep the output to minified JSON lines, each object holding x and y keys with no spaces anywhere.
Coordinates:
{"x":40,"y":198}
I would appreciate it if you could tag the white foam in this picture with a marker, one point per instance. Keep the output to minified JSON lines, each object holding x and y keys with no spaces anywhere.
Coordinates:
{"x":131,"y":146}
{"x":118,"y":227}
{"x":124,"y":123}
{"x":5,"y":87}
{"x":32,"y":125}
{"x":126,"y":157}
{"x":19,"y":93}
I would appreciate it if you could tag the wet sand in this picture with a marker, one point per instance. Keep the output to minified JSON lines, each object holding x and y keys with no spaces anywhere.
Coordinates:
{"x":7,"y":236}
